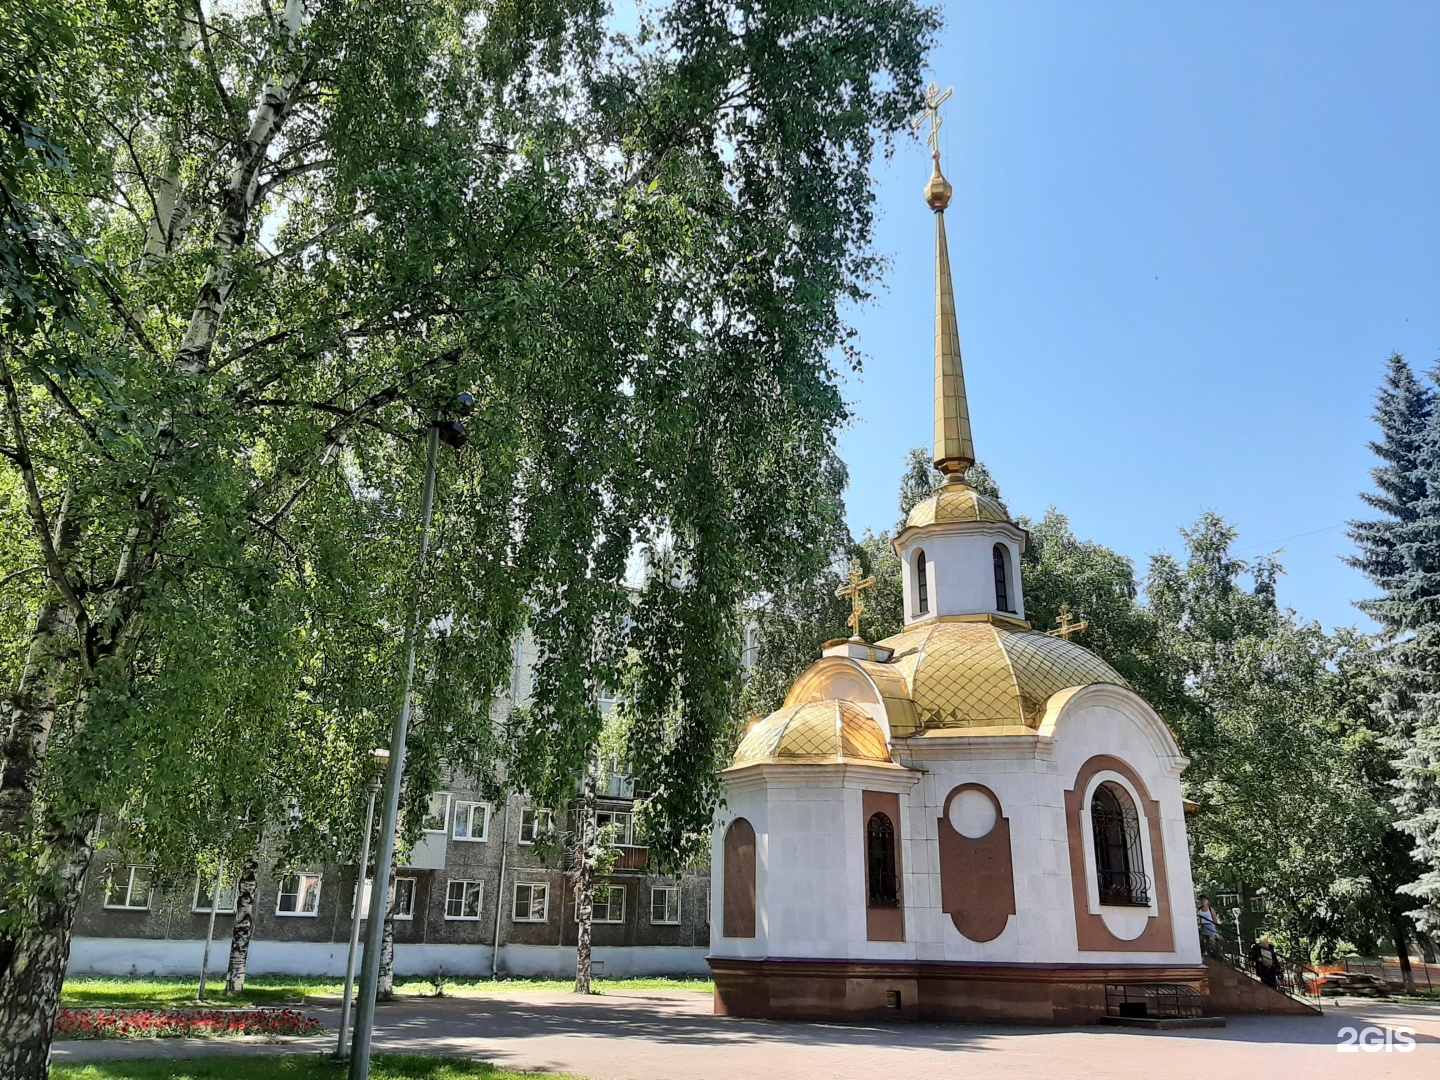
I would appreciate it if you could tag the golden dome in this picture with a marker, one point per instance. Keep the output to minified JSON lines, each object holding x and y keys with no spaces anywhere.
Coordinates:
{"x":983,"y":674}
{"x":817,"y":732}
{"x":956,"y":502}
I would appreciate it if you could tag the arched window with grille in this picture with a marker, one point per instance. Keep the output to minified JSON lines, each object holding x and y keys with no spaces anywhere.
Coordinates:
{"x":1002,"y":578}
{"x":922,"y":585}
{"x":883,"y":881}
{"x":1119,"y":858}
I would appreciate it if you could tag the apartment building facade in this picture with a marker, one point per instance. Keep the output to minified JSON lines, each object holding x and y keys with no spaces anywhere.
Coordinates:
{"x":476,"y":896}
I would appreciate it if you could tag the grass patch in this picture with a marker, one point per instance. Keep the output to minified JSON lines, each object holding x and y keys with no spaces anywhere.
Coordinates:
{"x":159,"y":992}
{"x":291,"y":1067}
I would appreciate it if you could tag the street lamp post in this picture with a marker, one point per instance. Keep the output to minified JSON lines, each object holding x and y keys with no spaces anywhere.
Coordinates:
{"x":381,"y":756}
{"x":453,"y":432}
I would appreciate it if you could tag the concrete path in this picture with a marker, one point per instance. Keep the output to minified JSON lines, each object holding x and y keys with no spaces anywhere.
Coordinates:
{"x":653,"y":1035}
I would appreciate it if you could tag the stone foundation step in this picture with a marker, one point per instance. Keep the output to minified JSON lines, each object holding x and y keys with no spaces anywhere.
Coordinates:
{"x":1164,"y":1023}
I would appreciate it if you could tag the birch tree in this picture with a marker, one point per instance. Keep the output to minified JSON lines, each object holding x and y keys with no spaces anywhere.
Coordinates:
{"x":247,"y":250}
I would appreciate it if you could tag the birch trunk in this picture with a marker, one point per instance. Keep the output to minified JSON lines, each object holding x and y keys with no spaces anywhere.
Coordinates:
{"x":584,"y":888}
{"x":245,"y":890}
{"x":385,"y":983}
{"x":32,"y":965}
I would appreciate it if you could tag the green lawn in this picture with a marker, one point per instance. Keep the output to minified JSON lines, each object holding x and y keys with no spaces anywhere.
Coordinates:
{"x":156,"y":992}
{"x":291,"y":1067}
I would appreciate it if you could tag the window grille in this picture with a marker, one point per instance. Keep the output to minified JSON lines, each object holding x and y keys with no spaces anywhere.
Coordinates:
{"x":1119,"y":859}
{"x":882,"y":880}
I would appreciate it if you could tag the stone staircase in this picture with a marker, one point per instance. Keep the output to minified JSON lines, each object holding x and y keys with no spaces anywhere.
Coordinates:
{"x":1235,"y":992}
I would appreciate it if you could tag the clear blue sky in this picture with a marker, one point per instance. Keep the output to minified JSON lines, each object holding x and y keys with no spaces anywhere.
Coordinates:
{"x":1185,"y":237}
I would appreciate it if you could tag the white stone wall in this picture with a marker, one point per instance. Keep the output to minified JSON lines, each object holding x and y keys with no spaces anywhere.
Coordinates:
{"x":145,"y":956}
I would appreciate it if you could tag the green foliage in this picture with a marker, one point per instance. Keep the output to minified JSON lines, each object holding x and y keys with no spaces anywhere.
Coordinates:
{"x":274,"y":251}
{"x":1397,"y":552}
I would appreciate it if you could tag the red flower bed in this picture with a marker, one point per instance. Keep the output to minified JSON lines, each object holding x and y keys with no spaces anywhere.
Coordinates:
{"x":176,"y":1023}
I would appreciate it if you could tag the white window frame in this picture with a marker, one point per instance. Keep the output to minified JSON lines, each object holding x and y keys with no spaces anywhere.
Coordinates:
{"x":465,"y":884}
{"x":610,"y":891}
{"x":544,"y":906}
{"x":299,"y":877}
{"x":397,"y":915}
{"x":444,"y":814}
{"x":669,"y":891}
{"x":1227,"y":901}
{"x":541,"y":823}
{"x":129,"y":870}
{"x":1147,"y":857}
{"x":205,"y":884}
{"x":456,"y":807}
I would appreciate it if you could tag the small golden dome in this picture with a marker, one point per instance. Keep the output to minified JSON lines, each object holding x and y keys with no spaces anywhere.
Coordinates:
{"x":817,"y":733}
{"x":978,"y":674}
{"x":956,"y":502}
{"x":938,"y":189}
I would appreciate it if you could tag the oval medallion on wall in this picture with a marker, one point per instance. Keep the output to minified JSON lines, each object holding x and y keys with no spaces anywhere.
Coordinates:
{"x":977,"y":876}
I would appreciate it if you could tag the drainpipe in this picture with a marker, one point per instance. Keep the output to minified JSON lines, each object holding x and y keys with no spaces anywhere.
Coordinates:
{"x":500,"y":889}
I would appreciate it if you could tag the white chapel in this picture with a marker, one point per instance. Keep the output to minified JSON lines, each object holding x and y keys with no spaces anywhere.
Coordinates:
{"x":971,"y":820}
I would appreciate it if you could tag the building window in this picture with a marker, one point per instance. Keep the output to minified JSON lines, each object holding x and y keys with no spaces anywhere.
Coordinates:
{"x":1259,"y":903}
{"x":203,"y":887}
{"x":437,"y":812}
{"x":299,"y":895}
{"x":1119,"y":862}
{"x":665,"y":905}
{"x":532,"y":902}
{"x":621,"y":825}
{"x":1228,"y":901}
{"x":1002,"y":582}
{"x":922,"y":585}
{"x":462,"y":899}
{"x":129,"y":888}
{"x":472,"y":821}
{"x":404,"y":905}
{"x":882,"y":881}
{"x":534,"y":825}
{"x":608,"y":905}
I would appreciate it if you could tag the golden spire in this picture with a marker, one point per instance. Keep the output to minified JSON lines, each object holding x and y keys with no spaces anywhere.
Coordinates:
{"x":954,"y":446}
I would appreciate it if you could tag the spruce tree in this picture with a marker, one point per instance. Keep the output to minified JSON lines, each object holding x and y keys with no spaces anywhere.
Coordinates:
{"x":1402,"y":411}
{"x":1400,"y":554}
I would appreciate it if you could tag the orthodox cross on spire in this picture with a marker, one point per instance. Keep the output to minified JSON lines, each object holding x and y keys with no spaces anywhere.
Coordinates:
{"x":852,"y":592}
{"x":1065,"y":625}
{"x":931,"y":114}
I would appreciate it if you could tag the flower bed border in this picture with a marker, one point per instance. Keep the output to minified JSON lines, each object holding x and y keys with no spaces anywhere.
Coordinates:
{"x":181,"y":1023}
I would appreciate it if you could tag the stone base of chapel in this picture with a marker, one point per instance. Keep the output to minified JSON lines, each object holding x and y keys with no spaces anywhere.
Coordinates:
{"x":798,"y":989}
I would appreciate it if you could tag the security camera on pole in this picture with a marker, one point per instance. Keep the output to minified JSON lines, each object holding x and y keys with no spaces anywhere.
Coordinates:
{"x":447,"y":426}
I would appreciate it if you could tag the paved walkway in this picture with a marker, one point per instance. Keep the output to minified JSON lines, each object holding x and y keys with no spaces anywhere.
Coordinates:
{"x":652,"y":1035}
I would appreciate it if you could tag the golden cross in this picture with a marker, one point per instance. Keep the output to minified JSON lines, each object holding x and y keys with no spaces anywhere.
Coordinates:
{"x":852,"y":592}
{"x":933,"y":100}
{"x":1066,"y":624}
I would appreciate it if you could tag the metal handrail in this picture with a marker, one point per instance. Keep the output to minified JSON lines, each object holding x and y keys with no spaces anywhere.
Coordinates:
{"x":1296,"y":979}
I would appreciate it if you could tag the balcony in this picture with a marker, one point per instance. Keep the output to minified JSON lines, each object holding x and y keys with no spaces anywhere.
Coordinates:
{"x":630,"y":858}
